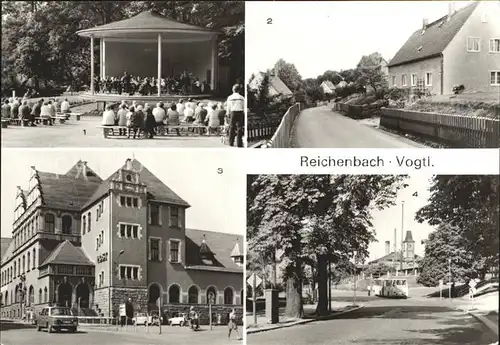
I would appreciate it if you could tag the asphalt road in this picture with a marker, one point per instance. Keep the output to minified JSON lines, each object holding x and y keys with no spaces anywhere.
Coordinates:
{"x":415,"y":321}
{"x":321,"y":127}
{"x":170,"y":335}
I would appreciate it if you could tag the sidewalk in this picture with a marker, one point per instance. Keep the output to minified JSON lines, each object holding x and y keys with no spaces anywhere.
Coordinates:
{"x":484,"y":308}
{"x":263,"y":325}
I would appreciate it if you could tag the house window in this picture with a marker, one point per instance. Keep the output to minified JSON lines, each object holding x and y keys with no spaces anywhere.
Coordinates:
{"x":495,"y":45}
{"x":101,"y":279}
{"x":414,"y":80}
{"x":154,"y":249}
{"x":129,"y":230}
{"x":393,"y":80}
{"x":228,"y":295}
{"x":403,"y":80}
{"x":174,"y":293}
{"x":45,"y":295}
{"x":97,"y":243}
{"x":129,"y":201}
{"x":193,"y":295}
{"x":24,"y":264}
{"x":129,"y":272}
{"x":84,"y":224}
{"x":29,"y":261}
{"x":473,"y":44}
{"x":175,"y":256}
{"x":66,"y":224}
{"x":49,"y":222}
{"x":89,"y":216}
{"x":34,"y":257}
{"x":495,"y":78}
{"x":154,"y":215}
{"x":174,"y":217}
{"x":40,"y":296}
{"x":428,"y":79}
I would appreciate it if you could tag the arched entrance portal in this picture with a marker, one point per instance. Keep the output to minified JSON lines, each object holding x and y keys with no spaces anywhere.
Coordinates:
{"x":83,"y":295}
{"x":154,"y":292}
{"x":64,"y":292}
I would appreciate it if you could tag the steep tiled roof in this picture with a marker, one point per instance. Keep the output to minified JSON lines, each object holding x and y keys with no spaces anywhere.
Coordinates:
{"x":329,"y":84}
{"x":279,"y":85}
{"x":6,"y":248}
{"x":157,"y":190}
{"x":436,"y":37}
{"x":148,"y":20}
{"x":67,"y":192}
{"x":220,"y":245}
{"x":67,"y":253}
{"x":390,"y":257}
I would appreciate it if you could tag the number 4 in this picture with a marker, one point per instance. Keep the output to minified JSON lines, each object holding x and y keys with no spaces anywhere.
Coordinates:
{"x":415,"y":194}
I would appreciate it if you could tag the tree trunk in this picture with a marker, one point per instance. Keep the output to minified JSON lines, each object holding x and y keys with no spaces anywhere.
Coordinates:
{"x":322,"y":308}
{"x":294,"y":307}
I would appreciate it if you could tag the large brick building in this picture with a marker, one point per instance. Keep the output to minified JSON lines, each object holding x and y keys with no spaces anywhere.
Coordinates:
{"x":92,"y":244}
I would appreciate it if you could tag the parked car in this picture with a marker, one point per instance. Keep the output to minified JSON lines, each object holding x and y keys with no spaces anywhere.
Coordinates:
{"x":180,"y":320}
{"x":142,"y":319}
{"x":56,"y":319}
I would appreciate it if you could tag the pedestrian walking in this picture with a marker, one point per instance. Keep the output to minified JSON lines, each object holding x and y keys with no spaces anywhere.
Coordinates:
{"x":232,"y":325}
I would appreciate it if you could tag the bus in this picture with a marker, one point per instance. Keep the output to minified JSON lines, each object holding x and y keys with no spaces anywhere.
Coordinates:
{"x":389,"y":287}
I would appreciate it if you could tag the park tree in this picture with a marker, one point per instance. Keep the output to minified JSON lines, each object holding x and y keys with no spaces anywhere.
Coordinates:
{"x":468,"y":206}
{"x":320,"y":217}
{"x":288,"y":73}
{"x":332,"y":76}
{"x":312,"y":89}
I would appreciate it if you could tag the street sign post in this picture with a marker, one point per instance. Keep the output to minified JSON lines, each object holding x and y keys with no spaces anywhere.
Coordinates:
{"x":158,"y":303}
{"x":255,"y":281}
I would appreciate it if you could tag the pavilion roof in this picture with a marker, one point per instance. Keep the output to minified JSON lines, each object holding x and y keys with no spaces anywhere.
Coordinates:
{"x":146,"y":22}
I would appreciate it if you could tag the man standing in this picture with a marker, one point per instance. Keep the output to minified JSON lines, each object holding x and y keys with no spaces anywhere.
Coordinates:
{"x":235,"y":110}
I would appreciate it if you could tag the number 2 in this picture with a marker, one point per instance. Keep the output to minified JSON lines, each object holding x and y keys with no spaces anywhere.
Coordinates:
{"x":269,"y":20}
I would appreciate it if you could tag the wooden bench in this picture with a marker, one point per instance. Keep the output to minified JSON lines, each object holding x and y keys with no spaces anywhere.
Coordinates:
{"x":61,"y":118}
{"x":114,"y":131}
{"x":69,"y":115}
{"x":5,"y":123}
{"x":15,"y":122}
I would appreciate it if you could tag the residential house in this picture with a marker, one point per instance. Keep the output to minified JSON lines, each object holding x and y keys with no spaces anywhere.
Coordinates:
{"x":276,"y":85}
{"x":461,"y":48}
{"x":328,"y":87}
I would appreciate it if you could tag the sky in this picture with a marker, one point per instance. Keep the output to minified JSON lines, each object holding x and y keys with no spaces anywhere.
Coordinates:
{"x":217,"y":200}
{"x":318,"y":36}
{"x":414,"y":196}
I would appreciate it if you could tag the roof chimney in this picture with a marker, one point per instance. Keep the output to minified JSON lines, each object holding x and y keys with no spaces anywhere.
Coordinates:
{"x":84,"y":168}
{"x":129,"y":164}
{"x":387,"y":247}
{"x":451,"y":10}
{"x":425,"y":22}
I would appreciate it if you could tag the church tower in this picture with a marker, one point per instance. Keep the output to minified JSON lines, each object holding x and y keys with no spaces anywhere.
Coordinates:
{"x":409,"y":246}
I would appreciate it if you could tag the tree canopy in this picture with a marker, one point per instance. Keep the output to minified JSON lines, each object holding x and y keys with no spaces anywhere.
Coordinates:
{"x":465,"y":210}
{"x":39,"y":40}
{"x":315,"y":219}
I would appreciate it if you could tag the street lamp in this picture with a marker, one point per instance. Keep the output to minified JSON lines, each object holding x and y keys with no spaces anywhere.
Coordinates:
{"x":449,"y":279}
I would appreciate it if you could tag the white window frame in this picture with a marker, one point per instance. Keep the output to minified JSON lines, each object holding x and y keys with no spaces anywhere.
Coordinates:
{"x":491,"y":41}
{"x":160,"y":222}
{"x":479,"y":44}
{"x":179,"y":222}
{"x":139,"y":231}
{"x":497,"y":74}
{"x":414,"y":79}
{"x":160,"y":258}
{"x":428,"y":81}
{"x":393,"y":79}
{"x":139,"y":272}
{"x":139,"y":203}
{"x":404,"y":81}
{"x":179,"y":252}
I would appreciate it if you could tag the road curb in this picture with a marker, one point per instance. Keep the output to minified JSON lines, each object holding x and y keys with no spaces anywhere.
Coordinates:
{"x":488,"y":323}
{"x":301,"y":322}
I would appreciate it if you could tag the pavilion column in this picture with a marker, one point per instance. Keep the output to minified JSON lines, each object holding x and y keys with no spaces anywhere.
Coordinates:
{"x":92,"y":64}
{"x":101,"y":43}
{"x":215,"y":65}
{"x":159,"y":65}
{"x":103,"y":40}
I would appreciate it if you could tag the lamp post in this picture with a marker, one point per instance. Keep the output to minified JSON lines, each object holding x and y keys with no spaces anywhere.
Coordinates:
{"x":449,"y":277}
{"x":402,"y":233}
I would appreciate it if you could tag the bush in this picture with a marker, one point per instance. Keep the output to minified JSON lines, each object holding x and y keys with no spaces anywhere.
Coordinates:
{"x":458,"y":89}
{"x":397,"y":94}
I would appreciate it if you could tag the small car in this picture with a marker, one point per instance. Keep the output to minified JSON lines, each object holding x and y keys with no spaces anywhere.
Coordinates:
{"x":56,"y":319}
{"x":142,"y":319}
{"x":180,"y":320}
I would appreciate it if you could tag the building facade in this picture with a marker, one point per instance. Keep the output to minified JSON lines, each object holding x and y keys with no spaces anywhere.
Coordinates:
{"x":461,"y":48}
{"x":93,"y":244}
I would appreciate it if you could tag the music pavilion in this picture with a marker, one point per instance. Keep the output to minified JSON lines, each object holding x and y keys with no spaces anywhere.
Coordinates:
{"x":92,"y":244}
